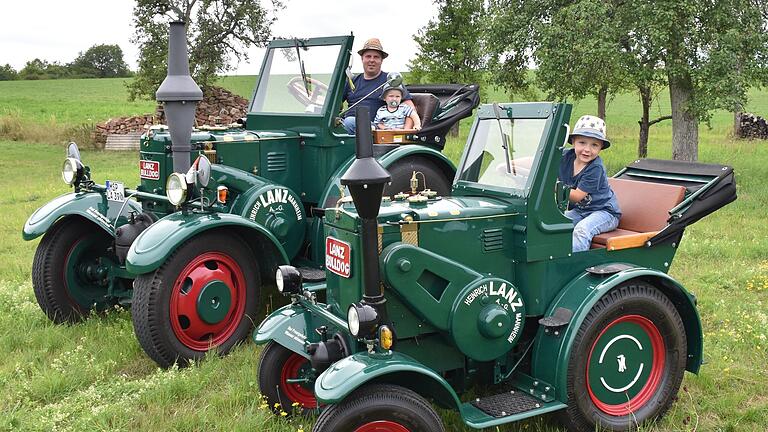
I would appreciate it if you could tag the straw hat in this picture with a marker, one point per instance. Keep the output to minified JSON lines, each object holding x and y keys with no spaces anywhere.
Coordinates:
{"x":373,"y":44}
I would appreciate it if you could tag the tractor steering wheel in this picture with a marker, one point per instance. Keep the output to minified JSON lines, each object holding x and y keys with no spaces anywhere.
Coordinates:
{"x":316,"y":96}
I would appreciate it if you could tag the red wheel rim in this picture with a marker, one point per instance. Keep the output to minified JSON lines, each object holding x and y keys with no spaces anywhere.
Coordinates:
{"x":653,"y":380}
{"x":382,"y":426}
{"x":188,"y":321}
{"x":292,"y":369}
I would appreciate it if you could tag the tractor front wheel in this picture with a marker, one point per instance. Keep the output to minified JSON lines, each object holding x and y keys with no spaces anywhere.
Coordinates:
{"x":627,"y":361}
{"x":285,"y":379}
{"x":380,"y":408}
{"x":71,"y":271}
{"x":204,"y":296}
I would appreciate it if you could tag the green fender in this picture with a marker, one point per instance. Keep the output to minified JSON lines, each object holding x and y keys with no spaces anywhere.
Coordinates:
{"x":351,"y":372}
{"x":156,"y":243}
{"x":551,"y":353}
{"x":286,"y":326}
{"x":90,"y":205}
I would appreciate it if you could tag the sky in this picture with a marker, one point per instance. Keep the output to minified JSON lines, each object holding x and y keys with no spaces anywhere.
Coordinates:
{"x":57,"y":30}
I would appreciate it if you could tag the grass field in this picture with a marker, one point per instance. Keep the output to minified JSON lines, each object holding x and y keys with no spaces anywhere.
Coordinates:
{"x":94,"y":376}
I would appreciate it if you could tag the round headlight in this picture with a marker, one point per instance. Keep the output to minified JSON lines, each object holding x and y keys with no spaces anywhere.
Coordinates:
{"x":353,"y":320}
{"x":70,"y":170}
{"x":288,"y":279}
{"x":176,"y":189}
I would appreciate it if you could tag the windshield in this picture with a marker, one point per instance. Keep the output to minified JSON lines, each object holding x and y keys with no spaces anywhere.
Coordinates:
{"x":486,"y":163}
{"x":296,"y":79}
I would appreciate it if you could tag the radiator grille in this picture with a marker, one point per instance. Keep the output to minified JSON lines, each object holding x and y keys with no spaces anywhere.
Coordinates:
{"x":277,"y":161}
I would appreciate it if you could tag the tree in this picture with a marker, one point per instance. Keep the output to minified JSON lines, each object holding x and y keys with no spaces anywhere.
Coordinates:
{"x":579,"y":54}
{"x":100,"y":61}
{"x":40,"y":69}
{"x":451,"y":47}
{"x":8,"y":73}
{"x":217,"y":30}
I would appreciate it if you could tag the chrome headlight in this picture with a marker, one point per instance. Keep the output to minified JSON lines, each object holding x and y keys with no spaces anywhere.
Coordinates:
{"x":71,"y":170}
{"x":176,"y":188}
{"x":353,"y":320}
{"x":362,"y":319}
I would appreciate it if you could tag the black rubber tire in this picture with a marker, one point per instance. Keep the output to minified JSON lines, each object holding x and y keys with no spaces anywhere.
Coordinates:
{"x":402,"y":171}
{"x":152,"y":292}
{"x":380,"y":402}
{"x":646,"y":301}
{"x":49,"y":267}
{"x":272,"y":363}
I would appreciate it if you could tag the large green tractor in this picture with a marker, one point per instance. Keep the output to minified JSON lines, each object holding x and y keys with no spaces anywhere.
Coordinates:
{"x":195,"y":244}
{"x":430,"y":299}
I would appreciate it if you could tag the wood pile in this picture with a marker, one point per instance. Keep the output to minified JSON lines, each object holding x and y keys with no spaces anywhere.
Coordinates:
{"x":219,"y":106}
{"x":753,"y":126}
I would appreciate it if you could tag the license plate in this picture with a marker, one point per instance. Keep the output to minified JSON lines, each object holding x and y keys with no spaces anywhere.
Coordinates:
{"x":115,"y":191}
{"x":337,"y":256}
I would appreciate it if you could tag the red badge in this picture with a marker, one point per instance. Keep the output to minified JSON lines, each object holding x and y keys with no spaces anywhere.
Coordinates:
{"x":149,"y":170}
{"x":337,"y":256}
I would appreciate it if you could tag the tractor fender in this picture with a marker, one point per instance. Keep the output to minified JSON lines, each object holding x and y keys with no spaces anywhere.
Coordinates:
{"x":93,"y":206}
{"x":552,"y":350}
{"x":286,"y":326}
{"x":349,"y":373}
{"x":153,"y":246}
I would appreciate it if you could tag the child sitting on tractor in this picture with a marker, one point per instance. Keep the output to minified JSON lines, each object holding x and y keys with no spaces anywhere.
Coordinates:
{"x":395,"y":115}
{"x":593,"y":206}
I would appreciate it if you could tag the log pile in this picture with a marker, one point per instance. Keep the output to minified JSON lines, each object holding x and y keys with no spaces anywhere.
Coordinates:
{"x":219,"y":106}
{"x":753,"y":126}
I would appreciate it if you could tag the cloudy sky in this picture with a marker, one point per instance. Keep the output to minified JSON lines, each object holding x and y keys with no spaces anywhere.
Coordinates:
{"x":57,"y":30}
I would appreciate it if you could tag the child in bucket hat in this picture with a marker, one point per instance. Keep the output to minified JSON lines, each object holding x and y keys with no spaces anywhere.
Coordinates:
{"x":593,"y":206}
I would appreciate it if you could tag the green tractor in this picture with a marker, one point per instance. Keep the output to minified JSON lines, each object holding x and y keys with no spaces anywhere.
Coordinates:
{"x":475,"y":302}
{"x":196,"y":243}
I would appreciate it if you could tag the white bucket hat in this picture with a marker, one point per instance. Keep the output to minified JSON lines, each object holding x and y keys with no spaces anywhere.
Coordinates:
{"x":591,"y":126}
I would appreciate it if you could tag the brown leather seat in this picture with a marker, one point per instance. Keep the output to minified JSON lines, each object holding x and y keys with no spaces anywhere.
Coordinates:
{"x":426,"y":104}
{"x":644,"y":212}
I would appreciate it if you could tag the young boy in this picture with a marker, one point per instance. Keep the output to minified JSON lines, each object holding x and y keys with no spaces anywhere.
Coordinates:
{"x":394,"y":115}
{"x":593,"y":206}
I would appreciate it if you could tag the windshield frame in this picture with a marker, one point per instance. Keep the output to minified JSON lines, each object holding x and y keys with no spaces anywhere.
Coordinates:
{"x":509,"y":111}
{"x":333,"y":92}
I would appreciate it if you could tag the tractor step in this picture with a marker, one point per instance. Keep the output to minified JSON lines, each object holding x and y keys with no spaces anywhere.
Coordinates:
{"x":311,"y":274}
{"x":508,"y":403}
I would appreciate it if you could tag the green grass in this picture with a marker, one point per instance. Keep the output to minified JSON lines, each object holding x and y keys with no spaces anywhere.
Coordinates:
{"x":94,"y":376}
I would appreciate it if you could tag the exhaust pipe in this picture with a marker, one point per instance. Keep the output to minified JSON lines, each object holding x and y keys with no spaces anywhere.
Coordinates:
{"x":179,"y":95}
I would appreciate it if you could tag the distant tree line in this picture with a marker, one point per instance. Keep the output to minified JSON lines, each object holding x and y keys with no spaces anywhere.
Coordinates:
{"x":706,"y":54}
{"x":99,"y":61}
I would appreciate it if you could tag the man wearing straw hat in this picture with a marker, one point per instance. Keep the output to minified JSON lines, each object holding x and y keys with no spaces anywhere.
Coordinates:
{"x":359,"y":87}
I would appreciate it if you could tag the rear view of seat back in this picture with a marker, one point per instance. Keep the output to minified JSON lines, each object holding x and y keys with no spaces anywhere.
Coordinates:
{"x":426,"y":105}
{"x":645,"y":206}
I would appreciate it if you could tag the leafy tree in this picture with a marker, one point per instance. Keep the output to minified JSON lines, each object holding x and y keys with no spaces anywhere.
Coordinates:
{"x":8,"y":73}
{"x":451,"y":47}
{"x":217,"y":31}
{"x":100,"y":61}
{"x":40,"y":69}
{"x":579,"y":53}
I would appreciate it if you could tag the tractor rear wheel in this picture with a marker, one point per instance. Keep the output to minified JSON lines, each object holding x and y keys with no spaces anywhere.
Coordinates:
{"x":285,"y":379}
{"x":627,"y":361}
{"x":380,"y":408}
{"x":402,"y":171}
{"x":204,"y":296}
{"x":70,"y":271}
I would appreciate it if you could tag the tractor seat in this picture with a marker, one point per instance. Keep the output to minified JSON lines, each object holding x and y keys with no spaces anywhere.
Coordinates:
{"x":644,"y":212}
{"x":426,"y":106}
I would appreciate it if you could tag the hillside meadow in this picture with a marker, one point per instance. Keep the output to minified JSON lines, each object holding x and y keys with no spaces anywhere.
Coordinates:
{"x":94,"y":376}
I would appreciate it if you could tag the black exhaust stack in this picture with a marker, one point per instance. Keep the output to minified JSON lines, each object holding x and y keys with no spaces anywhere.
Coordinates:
{"x":366,"y":179}
{"x":179,"y":94}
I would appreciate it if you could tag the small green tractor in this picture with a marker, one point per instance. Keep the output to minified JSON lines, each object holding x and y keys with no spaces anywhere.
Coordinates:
{"x":475,"y":302}
{"x":194,"y":245}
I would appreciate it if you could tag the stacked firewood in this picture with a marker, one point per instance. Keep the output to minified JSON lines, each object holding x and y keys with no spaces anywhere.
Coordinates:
{"x":753,"y":126}
{"x":219,"y":106}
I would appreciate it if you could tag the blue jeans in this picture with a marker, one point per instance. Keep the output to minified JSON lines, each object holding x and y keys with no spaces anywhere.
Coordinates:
{"x":349,"y":124}
{"x":587,"y":226}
